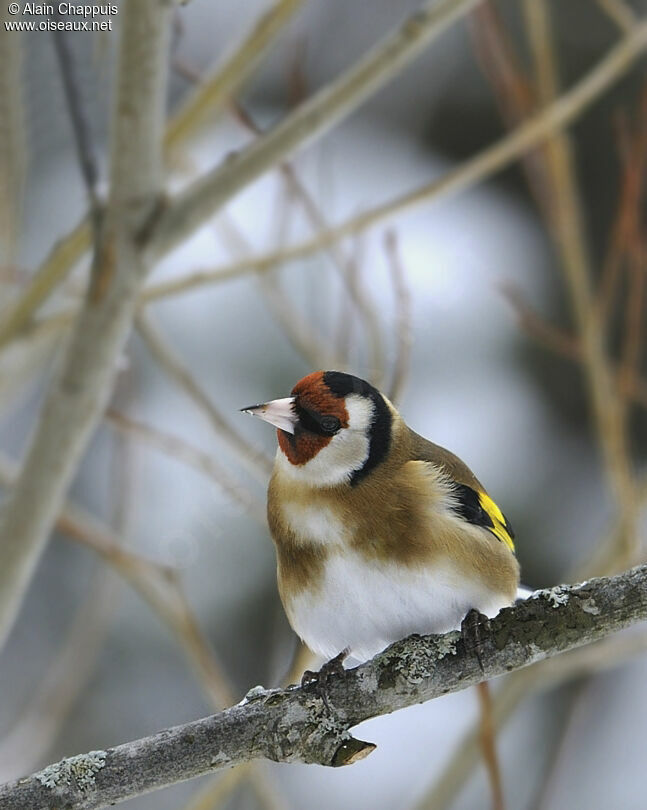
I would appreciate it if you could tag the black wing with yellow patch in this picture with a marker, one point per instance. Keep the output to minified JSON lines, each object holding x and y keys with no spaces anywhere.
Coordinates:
{"x":478,"y":508}
{"x":471,"y":502}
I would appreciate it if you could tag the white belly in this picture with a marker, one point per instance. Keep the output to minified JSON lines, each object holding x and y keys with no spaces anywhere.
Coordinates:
{"x":366,"y":606}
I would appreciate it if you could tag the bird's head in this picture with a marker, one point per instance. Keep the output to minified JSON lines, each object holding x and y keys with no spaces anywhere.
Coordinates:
{"x":334,"y":428}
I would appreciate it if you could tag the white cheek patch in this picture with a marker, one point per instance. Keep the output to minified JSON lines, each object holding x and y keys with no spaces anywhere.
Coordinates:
{"x":343,"y":455}
{"x":360,"y":412}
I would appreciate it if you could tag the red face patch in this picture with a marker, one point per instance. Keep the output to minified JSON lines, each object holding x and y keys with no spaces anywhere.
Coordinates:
{"x":314,"y":395}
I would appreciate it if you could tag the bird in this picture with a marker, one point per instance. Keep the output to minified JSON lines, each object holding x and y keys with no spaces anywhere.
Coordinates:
{"x":379,"y":532}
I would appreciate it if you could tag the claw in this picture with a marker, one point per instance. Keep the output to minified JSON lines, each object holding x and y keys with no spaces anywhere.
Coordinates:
{"x":319,"y":680}
{"x":473,"y":628}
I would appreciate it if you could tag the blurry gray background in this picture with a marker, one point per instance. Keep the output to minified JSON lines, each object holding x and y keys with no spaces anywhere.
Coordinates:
{"x":478,"y":384}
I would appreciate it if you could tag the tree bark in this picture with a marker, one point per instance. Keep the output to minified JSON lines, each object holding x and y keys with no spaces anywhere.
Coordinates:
{"x":77,"y":398}
{"x":310,"y":723}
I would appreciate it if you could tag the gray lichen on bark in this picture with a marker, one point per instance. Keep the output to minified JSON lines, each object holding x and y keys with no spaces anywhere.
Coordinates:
{"x":302,"y":724}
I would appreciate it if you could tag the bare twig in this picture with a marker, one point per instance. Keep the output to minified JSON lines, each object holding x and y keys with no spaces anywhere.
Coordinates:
{"x":622,"y":14}
{"x":70,"y":250}
{"x":606,"y":654}
{"x":302,"y":335}
{"x":312,"y":118}
{"x":76,"y":399}
{"x":183,"y":451}
{"x":486,"y":163}
{"x":513,"y":90}
{"x":61,"y":258}
{"x":25,"y":745}
{"x":559,"y":746}
{"x":403,"y":330}
{"x":348,"y":273}
{"x":549,"y":335}
{"x":13,"y":155}
{"x":159,"y":586}
{"x":555,"y":116}
{"x":488,"y":745}
{"x":296,"y":725}
{"x":250,"y":457}
{"x":228,"y":76}
{"x":608,"y":408}
{"x":78,"y":117}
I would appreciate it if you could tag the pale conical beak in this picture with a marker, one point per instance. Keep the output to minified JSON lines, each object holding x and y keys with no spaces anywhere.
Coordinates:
{"x":278,"y":412}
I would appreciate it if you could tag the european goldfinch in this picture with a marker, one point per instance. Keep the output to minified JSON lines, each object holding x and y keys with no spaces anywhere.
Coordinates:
{"x":379,"y":533}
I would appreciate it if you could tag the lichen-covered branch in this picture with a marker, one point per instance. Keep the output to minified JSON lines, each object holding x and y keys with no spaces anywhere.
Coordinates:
{"x":311,"y":723}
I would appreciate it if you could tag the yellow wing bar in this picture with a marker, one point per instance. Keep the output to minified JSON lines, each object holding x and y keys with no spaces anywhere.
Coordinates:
{"x":500,"y":528}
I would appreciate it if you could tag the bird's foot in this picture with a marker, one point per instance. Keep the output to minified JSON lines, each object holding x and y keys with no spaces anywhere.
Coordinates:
{"x":318,"y":681}
{"x":474,"y":627}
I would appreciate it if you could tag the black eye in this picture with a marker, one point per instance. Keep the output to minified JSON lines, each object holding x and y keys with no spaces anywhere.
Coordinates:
{"x":330,"y":424}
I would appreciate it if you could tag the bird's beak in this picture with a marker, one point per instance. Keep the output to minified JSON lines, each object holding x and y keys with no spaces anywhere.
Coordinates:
{"x":278,"y":412}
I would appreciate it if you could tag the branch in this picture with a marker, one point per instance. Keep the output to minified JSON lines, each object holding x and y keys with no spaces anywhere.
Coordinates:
{"x":13,"y":138}
{"x":180,"y":450}
{"x":311,"y":119}
{"x":567,"y":230}
{"x":230,"y":74}
{"x":556,"y":116}
{"x":622,"y":14}
{"x":77,"y":397}
{"x":252,"y":459}
{"x":78,"y":115}
{"x":297,"y":725}
{"x":610,"y":653}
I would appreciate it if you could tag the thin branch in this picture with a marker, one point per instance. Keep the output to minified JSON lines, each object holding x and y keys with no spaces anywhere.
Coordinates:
{"x":29,"y":740}
{"x":552,"y":118}
{"x":297,"y":725}
{"x":514,"y":92}
{"x":76,"y":399}
{"x":621,"y":14}
{"x":568,"y":233}
{"x":549,"y":335}
{"x":61,"y":258}
{"x":70,"y":250}
{"x":302,"y":335}
{"x":403,"y":330}
{"x":78,"y":118}
{"x":228,"y":76}
{"x":181,"y":450}
{"x":156,"y":583}
{"x":250,"y":457}
{"x":13,"y":152}
{"x":559,"y":744}
{"x":160,"y":587}
{"x":609,"y":653}
{"x":348,"y":273}
{"x":488,"y":745}
{"x":311,"y":119}
{"x":632,"y":242}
